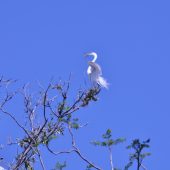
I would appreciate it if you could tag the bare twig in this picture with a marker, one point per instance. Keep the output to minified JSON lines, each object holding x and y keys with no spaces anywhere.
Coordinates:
{"x":76,"y":150}
{"x":59,"y":152}
{"x":40,"y":158}
{"x":49,"y":128}
{"x":144,"y":168}
{"x":44,"y":102}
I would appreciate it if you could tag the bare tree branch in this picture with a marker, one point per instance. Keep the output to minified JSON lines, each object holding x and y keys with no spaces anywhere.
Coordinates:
{"x":76,"y":150}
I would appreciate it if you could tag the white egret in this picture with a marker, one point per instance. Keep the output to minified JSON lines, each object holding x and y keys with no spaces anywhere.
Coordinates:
{"x":1,"y":168}
{"x":94,"y":72}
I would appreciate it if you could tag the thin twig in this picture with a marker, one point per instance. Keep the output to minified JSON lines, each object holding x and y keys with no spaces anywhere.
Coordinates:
{"x":143,"y":167}
{"x":59,"y":152}
{"x":44,"y":102}
{"x":76,"y":150}
{"x":40,"y":158}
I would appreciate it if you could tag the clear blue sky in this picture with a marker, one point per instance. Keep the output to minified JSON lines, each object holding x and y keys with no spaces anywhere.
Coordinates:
{"x":44,"y":39}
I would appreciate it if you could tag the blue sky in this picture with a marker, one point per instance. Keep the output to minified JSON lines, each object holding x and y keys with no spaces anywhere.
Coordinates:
{"x":41,"y":39}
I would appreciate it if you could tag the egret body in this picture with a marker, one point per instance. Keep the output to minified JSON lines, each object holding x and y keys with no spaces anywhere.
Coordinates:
{"x":94,"y":71}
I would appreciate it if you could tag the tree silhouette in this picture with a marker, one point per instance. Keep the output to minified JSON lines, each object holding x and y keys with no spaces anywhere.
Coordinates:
{"x":51,"y":105}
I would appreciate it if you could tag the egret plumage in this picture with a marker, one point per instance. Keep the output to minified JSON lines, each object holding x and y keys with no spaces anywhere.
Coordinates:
{"x":94,"y":71}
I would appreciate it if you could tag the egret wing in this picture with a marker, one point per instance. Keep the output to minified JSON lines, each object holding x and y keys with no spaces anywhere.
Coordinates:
{"x":95,"y":68}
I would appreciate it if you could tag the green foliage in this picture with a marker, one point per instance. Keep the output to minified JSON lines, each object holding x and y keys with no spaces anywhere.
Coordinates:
{"x":28,"y":164}
{"x":89,"y":167}
{"x":90,"y":95}
{"x":108,"y":141}
{"x":58,"y":120}
{"x":75,"y":124}
{"x":60,"y":166}
{"x":138,"y":154}
{"x":108,"y":134}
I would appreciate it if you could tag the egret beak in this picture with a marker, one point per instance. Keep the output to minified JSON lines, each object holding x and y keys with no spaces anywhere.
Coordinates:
{"x":86,"y":54}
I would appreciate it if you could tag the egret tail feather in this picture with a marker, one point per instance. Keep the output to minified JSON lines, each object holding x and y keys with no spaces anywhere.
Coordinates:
{"x":102,"y":82}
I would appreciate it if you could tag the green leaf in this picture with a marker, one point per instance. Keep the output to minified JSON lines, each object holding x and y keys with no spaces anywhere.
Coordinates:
{"x":60,"y":166}
{"x":103,"y":143}
{"x":107,"y":135}
{"x":145,"y":154}
{"x":89,"y":167}
{"x":75,"y":126}
{"x":96,"y":143}
{"x":119,"y":140}
{"x":128,"y":165}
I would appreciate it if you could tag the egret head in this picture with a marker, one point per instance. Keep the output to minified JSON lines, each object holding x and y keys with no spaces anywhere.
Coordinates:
{"x":93,"y":54}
